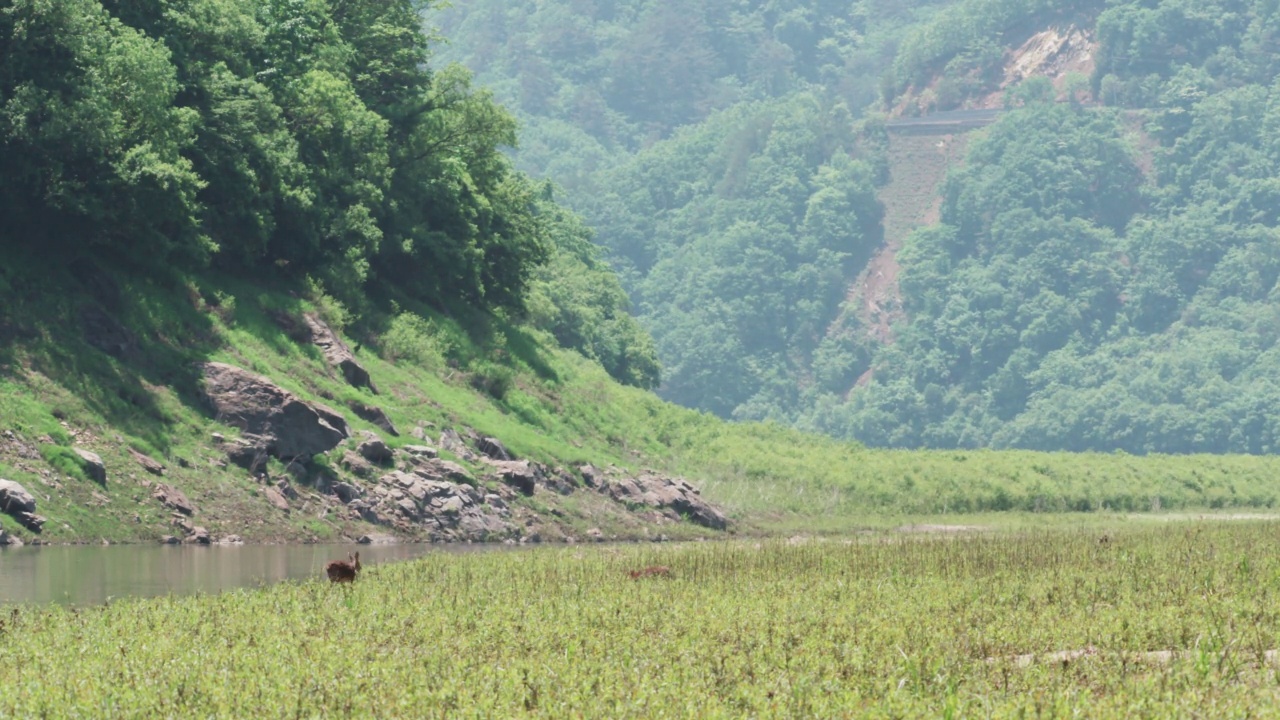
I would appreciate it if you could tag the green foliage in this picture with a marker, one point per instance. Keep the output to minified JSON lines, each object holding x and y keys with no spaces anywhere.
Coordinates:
{"x":417,"y":340}
{"x":297,"y":136}
{"x":64,"y":460}
{"x":578,"y":299}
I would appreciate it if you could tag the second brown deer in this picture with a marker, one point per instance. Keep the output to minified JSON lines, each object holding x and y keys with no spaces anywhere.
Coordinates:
{"x":653,"y":571}
{"x":343,"y":570}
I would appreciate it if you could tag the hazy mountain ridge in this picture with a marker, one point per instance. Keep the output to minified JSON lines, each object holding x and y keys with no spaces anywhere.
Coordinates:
{"x":1090,"y":285}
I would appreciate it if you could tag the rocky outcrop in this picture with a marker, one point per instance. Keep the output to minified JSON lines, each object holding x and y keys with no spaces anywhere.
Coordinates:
{"x":282,"y":424}
{"x":666,"y":493}
{"x":92,"y":464}
{"x":337,"y":354}
{"x":419,"y":503}
{"x":437,"y":469}
{"x":520,"y":474}
{"x":192,"y":534}
{"x":172,"y":498}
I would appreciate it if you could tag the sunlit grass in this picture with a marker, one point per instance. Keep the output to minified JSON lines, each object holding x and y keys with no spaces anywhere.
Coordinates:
{"x":1166,"y":620}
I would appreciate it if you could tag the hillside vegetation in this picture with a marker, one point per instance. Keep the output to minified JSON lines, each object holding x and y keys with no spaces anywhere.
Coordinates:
{"x":1100,"y":277}
{"x":290,"y":165}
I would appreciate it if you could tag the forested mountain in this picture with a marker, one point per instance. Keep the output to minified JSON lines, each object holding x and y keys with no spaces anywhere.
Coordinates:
{"x":1103,"y":267}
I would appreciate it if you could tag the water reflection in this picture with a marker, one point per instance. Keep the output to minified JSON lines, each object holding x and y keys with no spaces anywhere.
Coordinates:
{"x":90,"y":574}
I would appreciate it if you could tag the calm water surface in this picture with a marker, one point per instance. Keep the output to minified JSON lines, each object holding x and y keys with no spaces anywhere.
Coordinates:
{"x":90,"y":574}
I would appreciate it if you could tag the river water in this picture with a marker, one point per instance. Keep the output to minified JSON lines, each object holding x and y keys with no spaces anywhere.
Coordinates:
{"x":90,"y":574}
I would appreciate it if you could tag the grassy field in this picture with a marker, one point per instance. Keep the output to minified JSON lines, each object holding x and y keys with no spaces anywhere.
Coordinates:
{"x":1168,"y":620}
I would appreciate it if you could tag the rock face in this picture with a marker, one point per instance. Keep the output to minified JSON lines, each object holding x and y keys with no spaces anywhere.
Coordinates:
{"x":337,"y":354}
{"x":285,"y":425}
{"x":663,"y":493}
{"x":92,"y":465}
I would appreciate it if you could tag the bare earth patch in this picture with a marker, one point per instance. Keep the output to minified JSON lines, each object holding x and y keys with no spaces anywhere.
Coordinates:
{"x":941,"y":529}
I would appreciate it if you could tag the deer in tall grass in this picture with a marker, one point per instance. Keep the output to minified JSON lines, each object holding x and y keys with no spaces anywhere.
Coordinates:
{"x":340,"y":571}
{"x":652,"y":571}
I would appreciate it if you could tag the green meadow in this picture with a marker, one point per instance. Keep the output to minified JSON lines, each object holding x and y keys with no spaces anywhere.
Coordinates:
{"x":1156,"y":620}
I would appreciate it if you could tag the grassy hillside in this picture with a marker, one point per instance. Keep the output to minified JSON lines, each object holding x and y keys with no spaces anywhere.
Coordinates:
{"x":58,"y":390}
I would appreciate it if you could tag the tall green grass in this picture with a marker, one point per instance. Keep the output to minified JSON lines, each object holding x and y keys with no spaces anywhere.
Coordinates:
{"x":1168,"y":621}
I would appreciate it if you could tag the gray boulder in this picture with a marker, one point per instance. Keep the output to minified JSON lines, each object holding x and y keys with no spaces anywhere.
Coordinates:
{"x":92,"y":465}
{"x":31,"y":521}
{"x":437,"y":469}
{"x":493,"y":448}
{"x":15,"y":499}
{"x":520,"y":474}
{"x":288,"y":426}
{"x":347,"y":492}
{"x":375,"y":451}
{"x":276,"y":498}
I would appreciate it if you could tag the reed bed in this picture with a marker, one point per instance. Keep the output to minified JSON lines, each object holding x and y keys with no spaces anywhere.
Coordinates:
{"x":1167,"y":621}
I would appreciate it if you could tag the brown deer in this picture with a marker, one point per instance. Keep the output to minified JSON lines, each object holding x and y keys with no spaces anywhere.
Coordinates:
{"x":653,"y":571}
{"x":343,"y":570}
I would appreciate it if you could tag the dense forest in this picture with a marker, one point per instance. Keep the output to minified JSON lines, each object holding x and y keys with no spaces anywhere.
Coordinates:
{"x":301,"y":142}
{"x":1102,"y":272}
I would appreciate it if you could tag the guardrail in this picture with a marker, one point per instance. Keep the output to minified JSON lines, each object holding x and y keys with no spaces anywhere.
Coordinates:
{"x":953,"y":120}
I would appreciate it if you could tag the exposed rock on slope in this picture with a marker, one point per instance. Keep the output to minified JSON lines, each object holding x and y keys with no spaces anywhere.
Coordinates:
{"x":283,"y":425}
{"x":337,"y":354}
{"x":20,"y":504}
{"x":665,"y":493}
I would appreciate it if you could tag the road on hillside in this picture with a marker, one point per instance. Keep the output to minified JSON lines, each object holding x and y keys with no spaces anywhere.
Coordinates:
{"x":944,"y":120}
